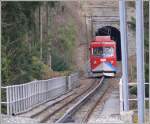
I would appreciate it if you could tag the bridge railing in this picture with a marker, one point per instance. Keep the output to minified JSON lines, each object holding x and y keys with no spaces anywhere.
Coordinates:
{"x":23,"y":97}
{"x":73,"y":81}
{"x":146,"y":99}
{"x":121,"y":95}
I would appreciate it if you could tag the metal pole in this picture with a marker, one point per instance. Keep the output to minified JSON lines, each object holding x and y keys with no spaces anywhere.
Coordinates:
{"x":91,"y":27}
{"x":124,"y":48}
{"x":140,"y":59}
{"x":0,"y":68}
{"x":149,"y":63}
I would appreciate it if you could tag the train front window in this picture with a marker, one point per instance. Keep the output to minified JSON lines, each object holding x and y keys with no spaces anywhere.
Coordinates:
{"x":103,"y":51}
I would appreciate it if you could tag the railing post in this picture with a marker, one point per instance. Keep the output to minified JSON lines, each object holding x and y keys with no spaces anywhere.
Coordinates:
{"x":149,"y":66}
{"x":7,"y":96}
{"x":121,"y":96}
{"x":124,"y":48}
{"x":69,"y":82}
{"x":140,"y":59}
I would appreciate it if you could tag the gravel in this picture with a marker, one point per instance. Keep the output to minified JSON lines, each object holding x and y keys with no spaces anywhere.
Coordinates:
{"x":7,"y":119}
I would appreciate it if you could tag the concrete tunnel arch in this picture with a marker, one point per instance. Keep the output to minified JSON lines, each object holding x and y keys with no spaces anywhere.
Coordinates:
{"x":115,"y":35}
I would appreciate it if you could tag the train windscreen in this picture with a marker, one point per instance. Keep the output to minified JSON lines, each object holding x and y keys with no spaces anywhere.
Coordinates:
{"x":103,"y":51}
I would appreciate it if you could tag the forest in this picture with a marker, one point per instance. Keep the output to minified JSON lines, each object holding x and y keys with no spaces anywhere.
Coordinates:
{"x":38,"y":41}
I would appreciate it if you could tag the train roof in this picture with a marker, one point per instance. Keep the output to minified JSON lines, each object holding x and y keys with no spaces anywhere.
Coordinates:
{"x":102,"y":39}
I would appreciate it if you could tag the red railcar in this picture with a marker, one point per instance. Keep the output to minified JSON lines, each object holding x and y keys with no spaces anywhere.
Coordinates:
{"x":103,"y":56}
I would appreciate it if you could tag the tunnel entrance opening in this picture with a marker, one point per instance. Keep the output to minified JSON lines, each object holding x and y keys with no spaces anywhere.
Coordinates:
{"x":115,"y":35}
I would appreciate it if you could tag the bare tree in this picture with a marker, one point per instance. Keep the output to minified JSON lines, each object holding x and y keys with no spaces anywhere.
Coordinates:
{"x":41,"y":35}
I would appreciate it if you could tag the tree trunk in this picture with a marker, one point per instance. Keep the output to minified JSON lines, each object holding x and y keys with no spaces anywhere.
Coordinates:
{"x":41,"y":36}
{"x":47,"y":26}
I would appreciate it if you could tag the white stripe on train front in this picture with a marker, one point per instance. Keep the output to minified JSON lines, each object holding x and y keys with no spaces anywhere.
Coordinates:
{"x":104,"y":66}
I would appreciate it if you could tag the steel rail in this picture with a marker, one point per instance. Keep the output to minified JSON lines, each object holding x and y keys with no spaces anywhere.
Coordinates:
{"x":76,"y":106}
{"x":62,"y":106}
{"x":57,"y":101}
{"x":88,"y":115}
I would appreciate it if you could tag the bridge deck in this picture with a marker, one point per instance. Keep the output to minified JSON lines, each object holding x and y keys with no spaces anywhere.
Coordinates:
{"x":108,"y":110}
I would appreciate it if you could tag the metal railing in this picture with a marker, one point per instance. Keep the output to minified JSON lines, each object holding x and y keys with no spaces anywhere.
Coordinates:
{"x":121,"y":95}
{"x":130,"y":99}
{"x":24,"y":97}
{"x":73,"y":82}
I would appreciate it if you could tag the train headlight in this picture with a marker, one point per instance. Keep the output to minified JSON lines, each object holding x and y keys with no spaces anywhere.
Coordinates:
{"x":94,"y":62}
{"x":112,"y":62}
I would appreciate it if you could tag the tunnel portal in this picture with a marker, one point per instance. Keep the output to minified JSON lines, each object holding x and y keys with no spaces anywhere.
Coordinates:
{"x":115,"y":35}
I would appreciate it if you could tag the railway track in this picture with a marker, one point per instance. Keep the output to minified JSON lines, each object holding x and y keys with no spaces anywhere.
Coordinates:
{"x":71,"y":105}
{"x":81,"y":110}
{"x":55,"y":110}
